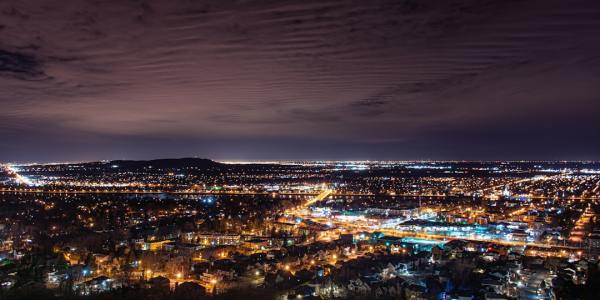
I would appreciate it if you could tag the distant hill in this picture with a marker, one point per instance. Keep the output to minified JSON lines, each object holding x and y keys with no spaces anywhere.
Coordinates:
{"x":170,"y":163}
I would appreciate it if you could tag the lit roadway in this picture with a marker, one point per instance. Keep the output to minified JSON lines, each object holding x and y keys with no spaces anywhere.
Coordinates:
{"x":26,"y":186}
{"x":140,"y":191}
{"x":492,"y":188}
{"x":320,"y":197}
{"x":529,"y":290}
{"x":12,"y":172}
{"x":302,"y":210}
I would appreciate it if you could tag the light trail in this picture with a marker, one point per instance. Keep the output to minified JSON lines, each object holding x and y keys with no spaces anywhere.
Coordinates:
{"x":303,"y":208}
{"x":320,"y":197}
{"x":597,"y":188}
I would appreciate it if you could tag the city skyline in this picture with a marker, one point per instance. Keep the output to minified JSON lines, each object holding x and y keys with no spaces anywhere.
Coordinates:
{"x":288,"y":80}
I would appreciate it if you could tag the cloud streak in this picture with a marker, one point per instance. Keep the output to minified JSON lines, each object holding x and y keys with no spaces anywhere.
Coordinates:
{"x":342,"y":74}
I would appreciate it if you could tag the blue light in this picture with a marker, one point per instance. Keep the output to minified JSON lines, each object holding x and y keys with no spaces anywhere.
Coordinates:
{"x":208,"y":199}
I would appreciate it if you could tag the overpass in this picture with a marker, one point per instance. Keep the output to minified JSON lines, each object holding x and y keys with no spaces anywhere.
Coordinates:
{"x":320,"y":197}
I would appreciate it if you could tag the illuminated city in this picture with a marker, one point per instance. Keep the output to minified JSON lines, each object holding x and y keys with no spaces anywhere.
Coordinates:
{"x":295,"y":229}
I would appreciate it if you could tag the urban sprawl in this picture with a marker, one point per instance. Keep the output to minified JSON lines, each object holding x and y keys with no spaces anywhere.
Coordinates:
{"x":198,"y":229}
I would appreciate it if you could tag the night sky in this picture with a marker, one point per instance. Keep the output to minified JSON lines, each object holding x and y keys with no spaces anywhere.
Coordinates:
{"x":414,"y":79}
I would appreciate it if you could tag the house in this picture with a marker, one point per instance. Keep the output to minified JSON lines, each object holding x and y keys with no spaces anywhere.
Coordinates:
{"x":190,"y":290}
{"x":437,"y":252}
{"x":159,"y":283}
{"x":358,"y":287}
{"x":415,"y":292}
{"x":493,"y":284}
{"x":97,"y":285}
{"x":494,"y":296}
{"x":55,"y":278}
{"x":303,"y":291}
{"x":461,"y":295}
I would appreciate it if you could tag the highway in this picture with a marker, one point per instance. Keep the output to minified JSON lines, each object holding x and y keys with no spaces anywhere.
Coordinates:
{"x":492,"y":188}
{"x":320,"y":197}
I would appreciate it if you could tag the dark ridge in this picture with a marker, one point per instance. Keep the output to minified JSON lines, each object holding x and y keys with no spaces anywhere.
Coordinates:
{"x":170,"y":163}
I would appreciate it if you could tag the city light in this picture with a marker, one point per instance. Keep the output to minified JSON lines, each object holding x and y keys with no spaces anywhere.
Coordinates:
{"x":323,"y":227}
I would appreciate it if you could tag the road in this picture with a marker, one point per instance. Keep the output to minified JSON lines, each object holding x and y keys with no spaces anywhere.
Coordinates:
{"x":531,"y":288}
{"x":320,"y":197}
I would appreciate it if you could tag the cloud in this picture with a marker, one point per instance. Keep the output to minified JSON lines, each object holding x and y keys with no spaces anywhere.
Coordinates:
{"x":20,"y":66}
{"x":346,"y":73}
